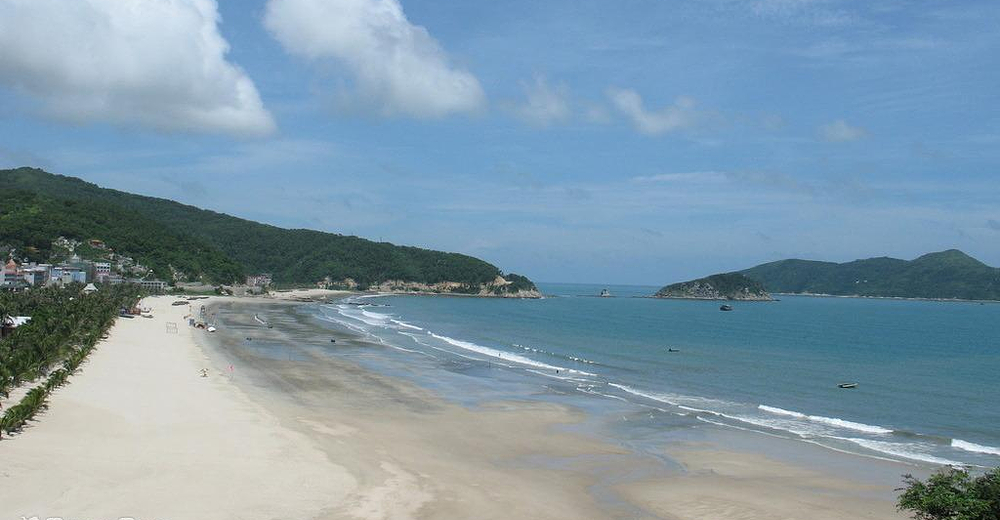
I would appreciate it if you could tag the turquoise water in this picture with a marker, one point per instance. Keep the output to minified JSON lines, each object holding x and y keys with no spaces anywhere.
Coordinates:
{"x":926,"y":371}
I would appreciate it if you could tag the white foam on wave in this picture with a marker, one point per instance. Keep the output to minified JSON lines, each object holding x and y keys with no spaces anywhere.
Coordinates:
{"x":685,"y":402}
{"x":368,"y":318}
{"x":506,"y":356}
{"x":910,"y":451}
{"x":540,"y":351}
{"x":973,"y":447}
{"x":406,"y":325}
{"x":779,"y":411}
{"x":831,"y":421}
{"x":797,"y":428}
{"x":554,"y":376}
{"x":590,"y":391}
{"x":648,"y":395}
{"x":375,"y":315}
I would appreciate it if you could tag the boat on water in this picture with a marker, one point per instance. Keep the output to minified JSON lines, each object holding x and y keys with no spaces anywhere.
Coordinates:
{"x":847,"y":385}
{"x":673,"y":350}
{"x":726,"y":308}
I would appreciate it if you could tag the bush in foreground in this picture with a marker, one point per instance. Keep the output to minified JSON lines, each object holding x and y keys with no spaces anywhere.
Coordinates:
{"x":952,"y":494}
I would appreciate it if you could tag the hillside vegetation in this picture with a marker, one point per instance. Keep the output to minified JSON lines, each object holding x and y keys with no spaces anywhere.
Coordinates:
{"x":726,"y":286}
{"x":30,"y":222}
{"x":223,"y":247}
{"x":946,"y":274}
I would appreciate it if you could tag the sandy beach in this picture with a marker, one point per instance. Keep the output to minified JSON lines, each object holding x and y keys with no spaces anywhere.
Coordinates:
{"x":139,"y":433}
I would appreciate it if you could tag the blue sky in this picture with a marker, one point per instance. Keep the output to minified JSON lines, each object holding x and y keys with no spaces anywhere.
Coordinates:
{"x":614,"y":142}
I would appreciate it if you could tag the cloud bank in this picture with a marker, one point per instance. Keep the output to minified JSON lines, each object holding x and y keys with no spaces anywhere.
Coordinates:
{"x":398,"y":67}
{"x":156,"y":64}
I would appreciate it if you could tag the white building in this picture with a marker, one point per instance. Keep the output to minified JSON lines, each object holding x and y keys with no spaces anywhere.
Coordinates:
{"x":102,"y":271}
{"x":150,"y":285}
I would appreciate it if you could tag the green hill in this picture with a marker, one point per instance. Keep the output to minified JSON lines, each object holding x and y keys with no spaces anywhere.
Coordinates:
{"x":946,"y":274}
{"x":726,"y":286}
{"x":221,"y":247}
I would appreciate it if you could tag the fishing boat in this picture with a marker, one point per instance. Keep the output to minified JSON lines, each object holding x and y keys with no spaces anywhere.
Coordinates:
{"x":726,"y":308}
{"x":847,"y":385}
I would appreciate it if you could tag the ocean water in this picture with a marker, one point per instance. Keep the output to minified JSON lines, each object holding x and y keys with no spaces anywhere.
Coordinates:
{"x":927,"y":372}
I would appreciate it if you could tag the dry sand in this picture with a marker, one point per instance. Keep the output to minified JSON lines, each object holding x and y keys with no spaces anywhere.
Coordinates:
{"x":138,"y":433}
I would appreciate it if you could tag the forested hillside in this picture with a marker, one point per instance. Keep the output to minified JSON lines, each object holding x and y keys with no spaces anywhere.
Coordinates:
{"x":946,"y":274}
{"x":290,"y":255}
{"x":30,"y":222}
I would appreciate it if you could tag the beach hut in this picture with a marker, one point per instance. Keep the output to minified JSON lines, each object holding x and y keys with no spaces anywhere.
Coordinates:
{"x":10,"y":323}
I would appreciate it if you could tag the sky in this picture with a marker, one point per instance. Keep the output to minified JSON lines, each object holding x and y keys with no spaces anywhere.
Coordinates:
{"x":637,"y":141}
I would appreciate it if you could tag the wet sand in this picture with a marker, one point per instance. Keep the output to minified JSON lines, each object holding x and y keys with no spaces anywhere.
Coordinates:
{"x":508,"y":459}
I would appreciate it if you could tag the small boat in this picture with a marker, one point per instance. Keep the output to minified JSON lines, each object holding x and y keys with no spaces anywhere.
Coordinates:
{"x":673,"y":350}
{"x":726,"y":308}
{"x":333,"y":341}
{"x":847,"y":385}
{"x":605,"y":293}
{"x":211,"y":328}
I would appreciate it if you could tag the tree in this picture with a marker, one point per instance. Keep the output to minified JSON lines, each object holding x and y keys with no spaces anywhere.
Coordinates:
{"x":952,"y":494}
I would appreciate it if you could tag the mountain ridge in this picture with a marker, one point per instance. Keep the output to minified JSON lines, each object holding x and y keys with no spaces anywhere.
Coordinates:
{"x":293,"y":256}
{"x":948,"y":274}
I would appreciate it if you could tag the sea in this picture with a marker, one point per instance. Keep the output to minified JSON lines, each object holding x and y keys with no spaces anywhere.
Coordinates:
{"x":927,"y":372}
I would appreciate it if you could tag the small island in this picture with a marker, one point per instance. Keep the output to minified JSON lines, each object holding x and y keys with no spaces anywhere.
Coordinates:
{"x":726,"y":286}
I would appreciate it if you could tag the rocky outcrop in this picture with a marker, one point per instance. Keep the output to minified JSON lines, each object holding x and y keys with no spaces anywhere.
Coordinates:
{"x":728,"y":286}
{"x":500,"y":287}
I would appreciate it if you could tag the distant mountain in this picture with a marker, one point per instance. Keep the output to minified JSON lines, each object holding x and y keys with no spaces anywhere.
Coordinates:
{"x":36,"y":207}
{"x":727,"y":286}
{"x":946,"y":275}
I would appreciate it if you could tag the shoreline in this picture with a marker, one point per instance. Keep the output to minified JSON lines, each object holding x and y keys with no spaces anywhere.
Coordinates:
{"x":638,"y":471}
{"x":347,"y":442}
{"x":902,"y":298}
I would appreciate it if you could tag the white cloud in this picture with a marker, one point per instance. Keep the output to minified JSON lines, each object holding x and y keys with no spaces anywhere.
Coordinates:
{"x":399,"y":68}
{"x":839,"y":132}
{"x":678,"y":116}
{"x":156,"y":64}
{"x":544,"y":104}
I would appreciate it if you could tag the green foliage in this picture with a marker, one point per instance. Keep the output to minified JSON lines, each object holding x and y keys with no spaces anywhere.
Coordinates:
{"x":728,"y":285}
{"x":30,"y":222}
{"x":947,"y":274}
{"x":64,"y":328}
{"x":518,"y":283}
{"x":292,"y":256}
{"x":952,"y":494}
